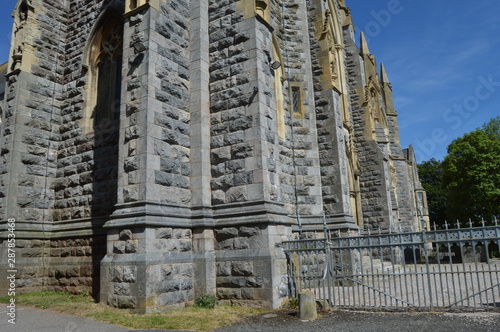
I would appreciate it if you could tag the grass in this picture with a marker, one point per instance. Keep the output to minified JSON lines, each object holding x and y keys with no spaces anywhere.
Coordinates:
{"x":189,"y":318}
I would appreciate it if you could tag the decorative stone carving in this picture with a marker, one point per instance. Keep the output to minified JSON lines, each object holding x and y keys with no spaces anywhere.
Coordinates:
{"x":327,"y":36}
{"x":19,"y":35}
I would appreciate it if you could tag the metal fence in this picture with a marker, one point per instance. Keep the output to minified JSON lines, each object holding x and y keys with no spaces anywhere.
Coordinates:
{"x":450,"y":268}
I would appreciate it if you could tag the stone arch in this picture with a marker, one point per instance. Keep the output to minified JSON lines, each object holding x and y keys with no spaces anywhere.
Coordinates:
{"x":376,"y":116}
{"x":22,"y":11}
{"x":103,"y":64}
{"x":102,"y":103}
{"x":338,"y":70}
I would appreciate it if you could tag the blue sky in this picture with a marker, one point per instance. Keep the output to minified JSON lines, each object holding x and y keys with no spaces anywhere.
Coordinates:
{"x":5,"y":28}
{"x":442,"y":58}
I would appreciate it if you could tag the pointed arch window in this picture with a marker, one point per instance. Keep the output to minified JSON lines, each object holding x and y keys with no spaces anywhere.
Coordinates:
{"x":105,"y":64}
{"x":279,"y":78}
{"x":109,"y":76}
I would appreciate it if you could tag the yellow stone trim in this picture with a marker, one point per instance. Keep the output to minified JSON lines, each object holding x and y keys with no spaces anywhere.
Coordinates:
{"x":254,"y":8}
{"x":247,"y":6}
{"x":134,"y":6}
{"x":263,"y":9}
{"x":278,"y":89}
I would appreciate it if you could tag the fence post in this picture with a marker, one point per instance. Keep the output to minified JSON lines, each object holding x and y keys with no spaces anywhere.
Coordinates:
{"x":307,"y":305}
{"x":426,"y":253}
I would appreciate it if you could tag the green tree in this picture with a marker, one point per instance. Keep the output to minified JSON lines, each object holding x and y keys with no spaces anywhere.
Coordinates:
{"x":431,"y":175}
{"x":471,"y":174}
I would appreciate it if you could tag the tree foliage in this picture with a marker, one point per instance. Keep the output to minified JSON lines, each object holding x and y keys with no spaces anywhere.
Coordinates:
{"x":471,"y":174}
{"x":431,"y":176}
{"x":466,"y":185}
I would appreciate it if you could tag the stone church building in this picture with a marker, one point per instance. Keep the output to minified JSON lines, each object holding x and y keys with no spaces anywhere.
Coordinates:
{"x":154,"y":149}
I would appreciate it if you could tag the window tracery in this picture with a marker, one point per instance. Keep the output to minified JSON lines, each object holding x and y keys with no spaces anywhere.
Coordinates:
{"x":105,"y":66}
{"x":108,"y":76}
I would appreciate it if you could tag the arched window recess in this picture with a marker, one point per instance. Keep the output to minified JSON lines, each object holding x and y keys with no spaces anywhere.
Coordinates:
{"x":104,"y":72}
{"x":277,"y":67}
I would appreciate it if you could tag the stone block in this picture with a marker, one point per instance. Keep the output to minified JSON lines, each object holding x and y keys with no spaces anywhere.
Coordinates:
{"x":228,"y":293}
{"x":121,"y":289}
{"x":248,"y":293}
{"x":185,"y":245}
{"x":249,"y":231}
{"x":231,"y":282}
{"x":119,"y":247}
{"x":223,"y":269}
{"x":241,"y":243}
{"x":242,"y":269}
{"x":256,"y":282}
{"x":237,"y":194}
{"x":131,"y":246}
{"x":73,"y":271}
{"x":126,"y":302}
{"x":126,"y":234}
{"x":225,"y":245}
{"x":226,"y":233}
{"x":116,"y":274}
{"x":182,"y":234}
{"x":163,"y":233}
{"x":307,"y":305}
{"x":129,"y":274}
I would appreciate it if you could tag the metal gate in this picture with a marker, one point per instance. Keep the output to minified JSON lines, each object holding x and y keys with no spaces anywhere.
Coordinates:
{"x":436,"y":269}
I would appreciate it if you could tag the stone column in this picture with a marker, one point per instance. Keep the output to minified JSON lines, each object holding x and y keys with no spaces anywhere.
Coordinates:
{"x":149,"y":261}
{"x":249,"y":216}
{"x":29,"y":137}
{"x":203,"y":238}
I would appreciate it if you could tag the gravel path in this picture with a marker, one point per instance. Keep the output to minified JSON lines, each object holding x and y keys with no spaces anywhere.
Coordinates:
{"x":357,"y":321}
{"x":30,"y":319}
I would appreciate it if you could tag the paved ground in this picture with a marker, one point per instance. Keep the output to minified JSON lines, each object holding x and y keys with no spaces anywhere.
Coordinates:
{"x":347,"y":321}
{"x":35,"y":320}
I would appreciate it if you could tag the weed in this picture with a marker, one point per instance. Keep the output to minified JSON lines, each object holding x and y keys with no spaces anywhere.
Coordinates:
{"x":205,"y":301}
{"x":291,"y":303}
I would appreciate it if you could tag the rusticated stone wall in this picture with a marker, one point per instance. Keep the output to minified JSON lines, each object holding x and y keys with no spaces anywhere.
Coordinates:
{"x":168,"y":273}
{"x":214,"y":158}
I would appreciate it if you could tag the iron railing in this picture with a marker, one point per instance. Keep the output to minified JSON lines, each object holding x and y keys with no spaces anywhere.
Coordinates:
{"x":430,"y":269}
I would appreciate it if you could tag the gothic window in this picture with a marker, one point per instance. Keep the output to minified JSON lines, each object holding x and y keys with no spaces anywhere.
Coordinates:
{"x":105,"y":72}
{"x":295,"y":100}
{"x":108,"y":77}
{"x":298,"y":109}
{"x":278,"y":89}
